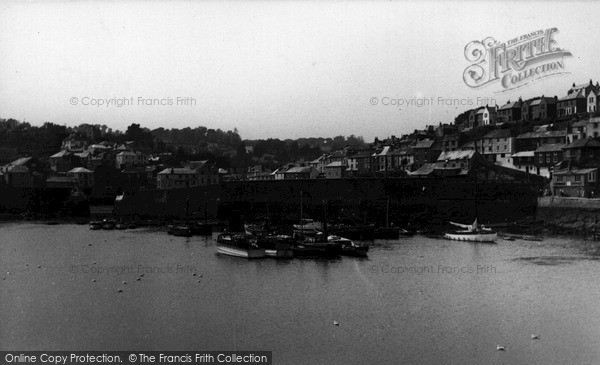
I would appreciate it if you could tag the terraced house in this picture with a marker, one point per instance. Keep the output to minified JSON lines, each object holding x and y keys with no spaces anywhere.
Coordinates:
{"x":497,"y":147}
{"x":546,"y":157}
{"x":510,"y":112}
{"x":543,"y":108}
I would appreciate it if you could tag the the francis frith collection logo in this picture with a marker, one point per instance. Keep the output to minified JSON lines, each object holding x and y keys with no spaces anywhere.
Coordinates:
{"x":516,"y":62}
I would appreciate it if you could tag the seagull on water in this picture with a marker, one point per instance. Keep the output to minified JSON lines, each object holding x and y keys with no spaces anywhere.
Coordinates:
{"x":535,"y":337}
{"x":336,"y":323}
{"x":500,"y":348}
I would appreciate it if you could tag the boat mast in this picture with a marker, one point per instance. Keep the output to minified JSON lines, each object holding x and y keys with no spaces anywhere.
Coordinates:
{"x":205,"y":209}
{"x":387,"y":214}
{"x":187,"y":207}
{"x":301,"y":225}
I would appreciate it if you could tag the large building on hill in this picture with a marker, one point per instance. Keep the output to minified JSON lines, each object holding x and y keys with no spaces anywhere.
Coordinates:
{"x":576,"y":100}
{"x":510,"y":112}
{"x":497,"y":147}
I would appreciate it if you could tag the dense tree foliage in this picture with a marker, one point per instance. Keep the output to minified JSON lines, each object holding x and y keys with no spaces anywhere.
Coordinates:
{"x":33,"y":141}
{"x":200,"y":143}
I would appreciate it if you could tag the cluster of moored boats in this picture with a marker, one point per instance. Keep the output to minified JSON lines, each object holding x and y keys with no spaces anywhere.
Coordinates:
{"x":309,"y":239}
{"x":109,"y":224}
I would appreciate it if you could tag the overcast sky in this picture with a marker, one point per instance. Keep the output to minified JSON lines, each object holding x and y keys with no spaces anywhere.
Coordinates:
{"x":271,"y":69}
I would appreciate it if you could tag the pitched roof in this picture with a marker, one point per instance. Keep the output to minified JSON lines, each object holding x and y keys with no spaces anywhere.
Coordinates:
{"x":298,"y":169}
{"x":318,"y":159}
{"x":80,"y":169}
{"x":499,"y":133}
{"x":539,"y":101}
{"x":551,"y":147}
{"x":61,"y":154}
{"x":17,"y":168}
{"x":514,"y":104}
{"x":196,"y":164}
{"x":134,"y":170}
{"x":384,"y":151}
{"x":543,"y":134}
{"x":584,"y":142}
{"x":456,"y":155}
{"x":21,"y":161}
{"x":362,"y":154}
{"x":335,"y":164}
{"x":127,"y":153}
{"x":177,"y":170}
{"x":524,"y":154}
{"x":575,"y":171}
{"x":572,"y":96}
{"x":426,"y":169}
{"x":84,"y":154}
{"x":426,"y":143}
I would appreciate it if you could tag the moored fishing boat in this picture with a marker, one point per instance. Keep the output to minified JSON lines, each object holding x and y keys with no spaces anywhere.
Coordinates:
{"x":279,"y":246}
{"x":238,"y":245}
{"x":316,"y":245}
{"x":120,"y":225}
{"x":472,"y":233}
{"x":95,"y":225}
{"x":308,"y":226}
{"x":355,"y":232}
{"x":179,"y":230}
{"x":255,"y":229}
{"x":349,"y":247}
{"x":406,"y":233}
{"x":108,"y":224}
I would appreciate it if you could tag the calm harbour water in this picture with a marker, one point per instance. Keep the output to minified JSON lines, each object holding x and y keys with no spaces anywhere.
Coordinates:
{"x":408,"y":302}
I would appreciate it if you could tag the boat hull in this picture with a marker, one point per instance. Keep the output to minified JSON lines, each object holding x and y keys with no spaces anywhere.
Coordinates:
{"x":360,"y":251}
{"x":254,"y":229}
{"x":250,"y":253}
{"x":108,"y":225}
{"x":490,"y":237}
{"x":317,"y":249}
{"x":279,"y":246}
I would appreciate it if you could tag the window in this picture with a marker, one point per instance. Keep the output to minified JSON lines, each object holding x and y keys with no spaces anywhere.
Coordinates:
{"x":559,"y":178}
{"x":577,"y":178}
{"x":502,"y":155}
{"x":541,"y":159}
{"x":548,"y":159}
{"x":555,"y":159}
{"x":592,"y":177}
